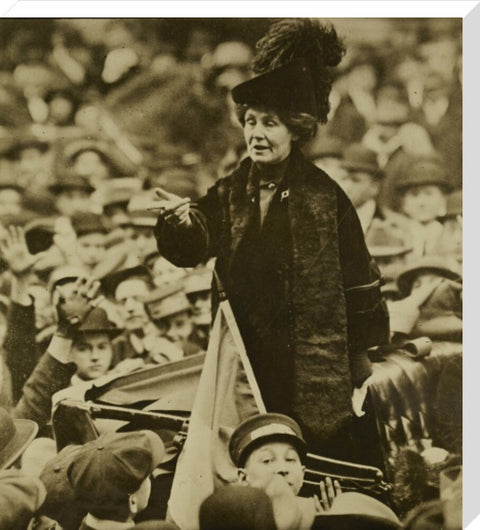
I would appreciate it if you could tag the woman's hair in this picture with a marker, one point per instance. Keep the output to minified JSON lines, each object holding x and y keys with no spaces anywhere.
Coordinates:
{"x":300,"y":124}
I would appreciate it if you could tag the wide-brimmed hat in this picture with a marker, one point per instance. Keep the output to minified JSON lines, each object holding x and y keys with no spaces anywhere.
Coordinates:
{"x":261,"y":428}
{"x":288,"y":88}
{"x":423,"y":172}
{"x":357,"y":157}
{"x":15,"y":436}
{"x":433,"y":264}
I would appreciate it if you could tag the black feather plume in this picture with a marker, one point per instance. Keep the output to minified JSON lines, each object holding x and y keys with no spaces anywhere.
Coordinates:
{"x":307,"y":39}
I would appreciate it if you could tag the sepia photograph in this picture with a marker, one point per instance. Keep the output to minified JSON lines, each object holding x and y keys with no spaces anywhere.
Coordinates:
{"x":231,"y":286}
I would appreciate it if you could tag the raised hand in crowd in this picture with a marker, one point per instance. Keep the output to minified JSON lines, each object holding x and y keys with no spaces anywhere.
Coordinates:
{"x":20,"y":262}
{"x":172,"y":208}
{"x":75,"y":304}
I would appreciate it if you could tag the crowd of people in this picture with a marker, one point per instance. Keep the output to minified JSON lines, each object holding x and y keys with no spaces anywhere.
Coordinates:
{"x":96,"y":133}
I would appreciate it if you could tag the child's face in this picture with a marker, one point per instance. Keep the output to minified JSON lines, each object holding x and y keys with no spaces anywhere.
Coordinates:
{"x":91,"y":248}
{"x":424,"y":203}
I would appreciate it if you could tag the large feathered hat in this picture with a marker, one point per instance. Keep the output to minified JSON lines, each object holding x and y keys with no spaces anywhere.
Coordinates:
{"x":295,"y":62}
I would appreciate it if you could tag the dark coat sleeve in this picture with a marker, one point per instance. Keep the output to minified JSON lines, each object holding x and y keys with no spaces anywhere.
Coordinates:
{"x":367,"y":314}
{"x":20,"y":347}
{"x":48,"y":377}
{"x":187,"y":247}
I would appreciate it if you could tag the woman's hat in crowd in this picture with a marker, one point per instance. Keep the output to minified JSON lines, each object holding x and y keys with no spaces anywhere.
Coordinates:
{"x":424,"y":172}
{"x":262,"y":428}
{"x":357,"y":157}
{"x":166,"y":301}
{"x":107,"y":470}
{"x":97,"y":322}
{"x":426,"y":264}
{"x":15,"y":436}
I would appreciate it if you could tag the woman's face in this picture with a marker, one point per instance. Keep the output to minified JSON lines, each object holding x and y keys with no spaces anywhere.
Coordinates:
{"x":424,"y":203}
{"x":268,"y":139}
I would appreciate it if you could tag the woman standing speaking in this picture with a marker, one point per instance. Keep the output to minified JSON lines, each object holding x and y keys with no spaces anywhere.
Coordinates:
{"x":289,"y":246}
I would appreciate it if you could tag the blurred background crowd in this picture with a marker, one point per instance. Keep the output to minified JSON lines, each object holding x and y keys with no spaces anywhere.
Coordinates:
{"x":94,"y":114}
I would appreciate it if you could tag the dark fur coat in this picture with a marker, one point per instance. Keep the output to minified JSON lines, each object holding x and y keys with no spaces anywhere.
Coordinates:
{"x":303,"y":288}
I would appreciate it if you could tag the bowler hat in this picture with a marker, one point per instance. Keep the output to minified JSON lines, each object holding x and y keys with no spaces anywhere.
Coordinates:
{"x":20,"y":497}
{"x":423,"y":172}
{"x":107,"y":470}
{"x":288,"y":88}
{"x":166,"y":301}
{"x":433,"y":264}
{"x":237,"y":508}
{"x":97,"y":322}
{"x":357,"y":157}
{"x":15,"y":436}
{"x":261,"y":428}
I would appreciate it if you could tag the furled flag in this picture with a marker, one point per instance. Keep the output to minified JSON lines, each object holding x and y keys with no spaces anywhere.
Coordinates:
{"x":227,"y":394}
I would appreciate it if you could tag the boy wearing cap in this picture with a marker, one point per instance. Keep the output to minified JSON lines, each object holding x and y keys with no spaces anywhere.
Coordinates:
{"x":110,"y":477}
{"x":269,"y":452}
{"x":169,"y":309}
{"x":422,"y":200}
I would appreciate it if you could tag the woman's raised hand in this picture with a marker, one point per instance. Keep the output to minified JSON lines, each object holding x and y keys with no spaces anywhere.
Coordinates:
{"x":172,"y":208}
